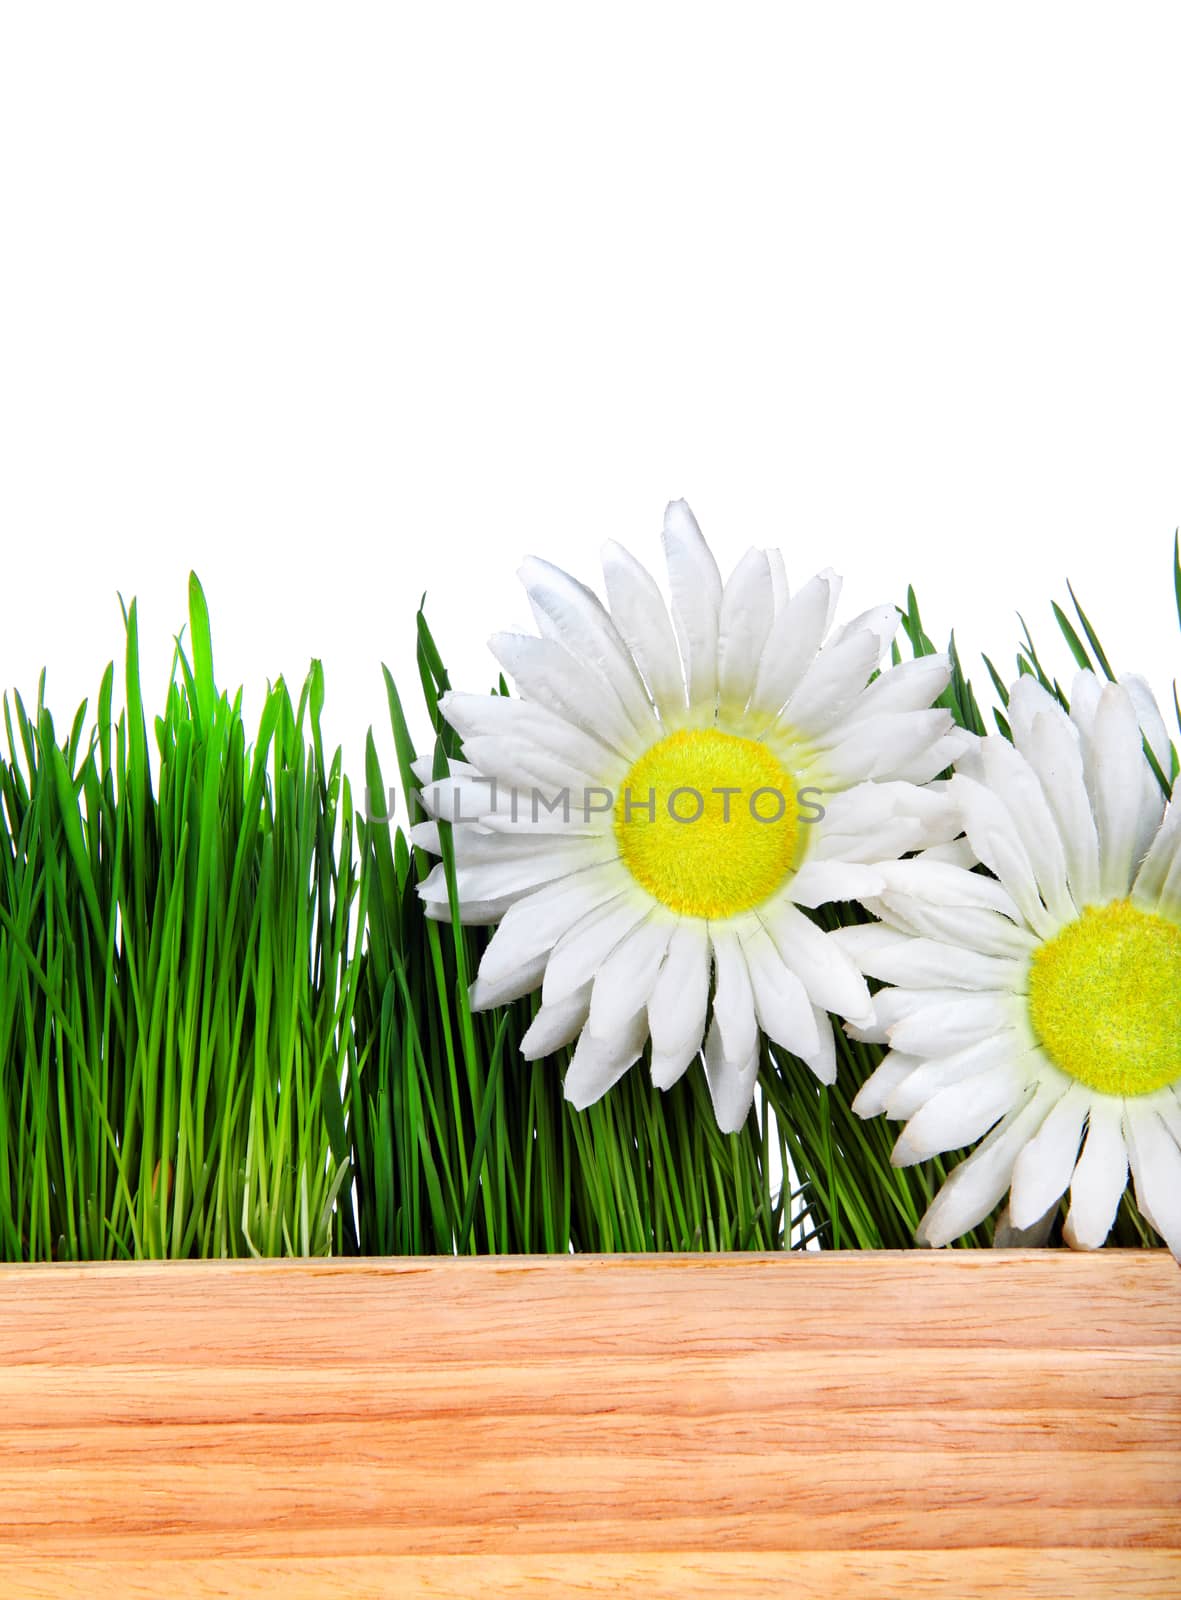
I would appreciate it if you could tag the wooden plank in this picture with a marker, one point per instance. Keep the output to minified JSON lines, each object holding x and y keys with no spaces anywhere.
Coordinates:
{"x":964,"y":1424}
{"x":985,"y":1574}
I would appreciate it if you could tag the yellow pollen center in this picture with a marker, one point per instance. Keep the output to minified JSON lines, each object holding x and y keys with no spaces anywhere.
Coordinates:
{"x":1105,"y":999}
{"x":707,"y":822}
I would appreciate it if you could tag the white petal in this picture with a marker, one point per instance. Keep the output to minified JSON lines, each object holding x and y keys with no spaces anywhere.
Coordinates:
{"x":1043,"y":1170}
{"x":472,"y":913}
{"x":977,"y":1184}
{"x":945,"y":884}
{"x":746,"y":614}
{"x":792,"y":644}
{"x":624,"y":982}
{"x":959,"y":1114}
{"x":1027,"y":701}
{"x":780,"y":591}
{"x":522,"y":766}
{"x":1156,"y":1171}
{"x":910,"y":686}
{"x":1007,"y":1236}
{"x":902,"y":1069}
{"x":930,"y":1076}
{"x":872,"y":822}
{"x":832,"y":683}
{"x":819,"y":882}
{"x":946,"y":1025}
{"x":545,"y":808}
{"x":1114,"y":762}
{"x":1157,"y":738}
{"x":734,"y":1006}
{"x":680,"y":996}
{"x":1015,"y":781}
{"x":433,"y":888}
{"x":1100,"y":1177}
{"x":911,"y":745}
{"x":984,"y":931}
{"x":891,"y":840}
{"x":423,"y":768}
{"x":598,"y":1064}
{"x":894,"y":957}
{"x":832,"y":979}
{"x":926,"y":763}
{"x":477,"y":846}
{"x":546,"y":672}
{"x":731,"y":1081}
{"x":426,"y":836}
{"x":1162,"y":856}
{"x":781,"y":1003}
{"x":570,"y":612}
{"x":1167,"y":1104}
{"x":996,"y":841}
{"x":1054,"y":752}
{"x":696,"y":587}
{"x":871,"y":1098}
{"x":822,"y":1061}
{"x":534,"y":925}
{"x":519,"y":874}
{"x":835,"y":583}
{"x":1152,"y":724}
{"x":956,"y":853}
{"x":498,"y":716}
{"x":511,"y":986}
{"x":880,"y":622}
{"x":1169,"y":899}
{"x":1085,"y":692}
{"x":456,"y":798}
{"x":555,"y":1026}
{"x":580,"y":952}
{"x":669,"y":1067}
{"x":893,"y":1006}
{"x":639,"y":612}
{"x":869,"y":1034}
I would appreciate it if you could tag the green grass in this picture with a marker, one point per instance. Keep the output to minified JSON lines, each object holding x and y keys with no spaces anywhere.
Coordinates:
{"x":177,"y":973}
{"x":228,"y":1027}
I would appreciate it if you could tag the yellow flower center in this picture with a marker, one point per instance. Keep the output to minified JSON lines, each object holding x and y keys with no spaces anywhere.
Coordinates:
{"x":1105,"y":999}
{"x":708,"y":822}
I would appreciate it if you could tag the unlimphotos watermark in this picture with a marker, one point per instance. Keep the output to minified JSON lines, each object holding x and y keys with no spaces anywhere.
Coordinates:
{"x":684,"y":804}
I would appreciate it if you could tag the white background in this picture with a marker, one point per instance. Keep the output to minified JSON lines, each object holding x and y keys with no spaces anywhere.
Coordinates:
{"x":345,"y":303}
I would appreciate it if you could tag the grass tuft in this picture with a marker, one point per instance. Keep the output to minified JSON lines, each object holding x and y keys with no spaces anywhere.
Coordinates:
{"x":177,"y":973}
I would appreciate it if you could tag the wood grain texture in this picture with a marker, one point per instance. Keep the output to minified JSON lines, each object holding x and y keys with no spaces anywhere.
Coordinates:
{"x":860,"y":1425}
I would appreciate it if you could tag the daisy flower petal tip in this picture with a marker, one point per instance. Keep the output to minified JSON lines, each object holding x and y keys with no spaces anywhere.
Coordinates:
{"x":1037,"y":1009}
{"x":671,"y":790}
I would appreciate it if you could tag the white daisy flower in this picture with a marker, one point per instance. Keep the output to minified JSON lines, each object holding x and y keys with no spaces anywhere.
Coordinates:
{"x":647,"y":819}
{"x":1044,"y":1002}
